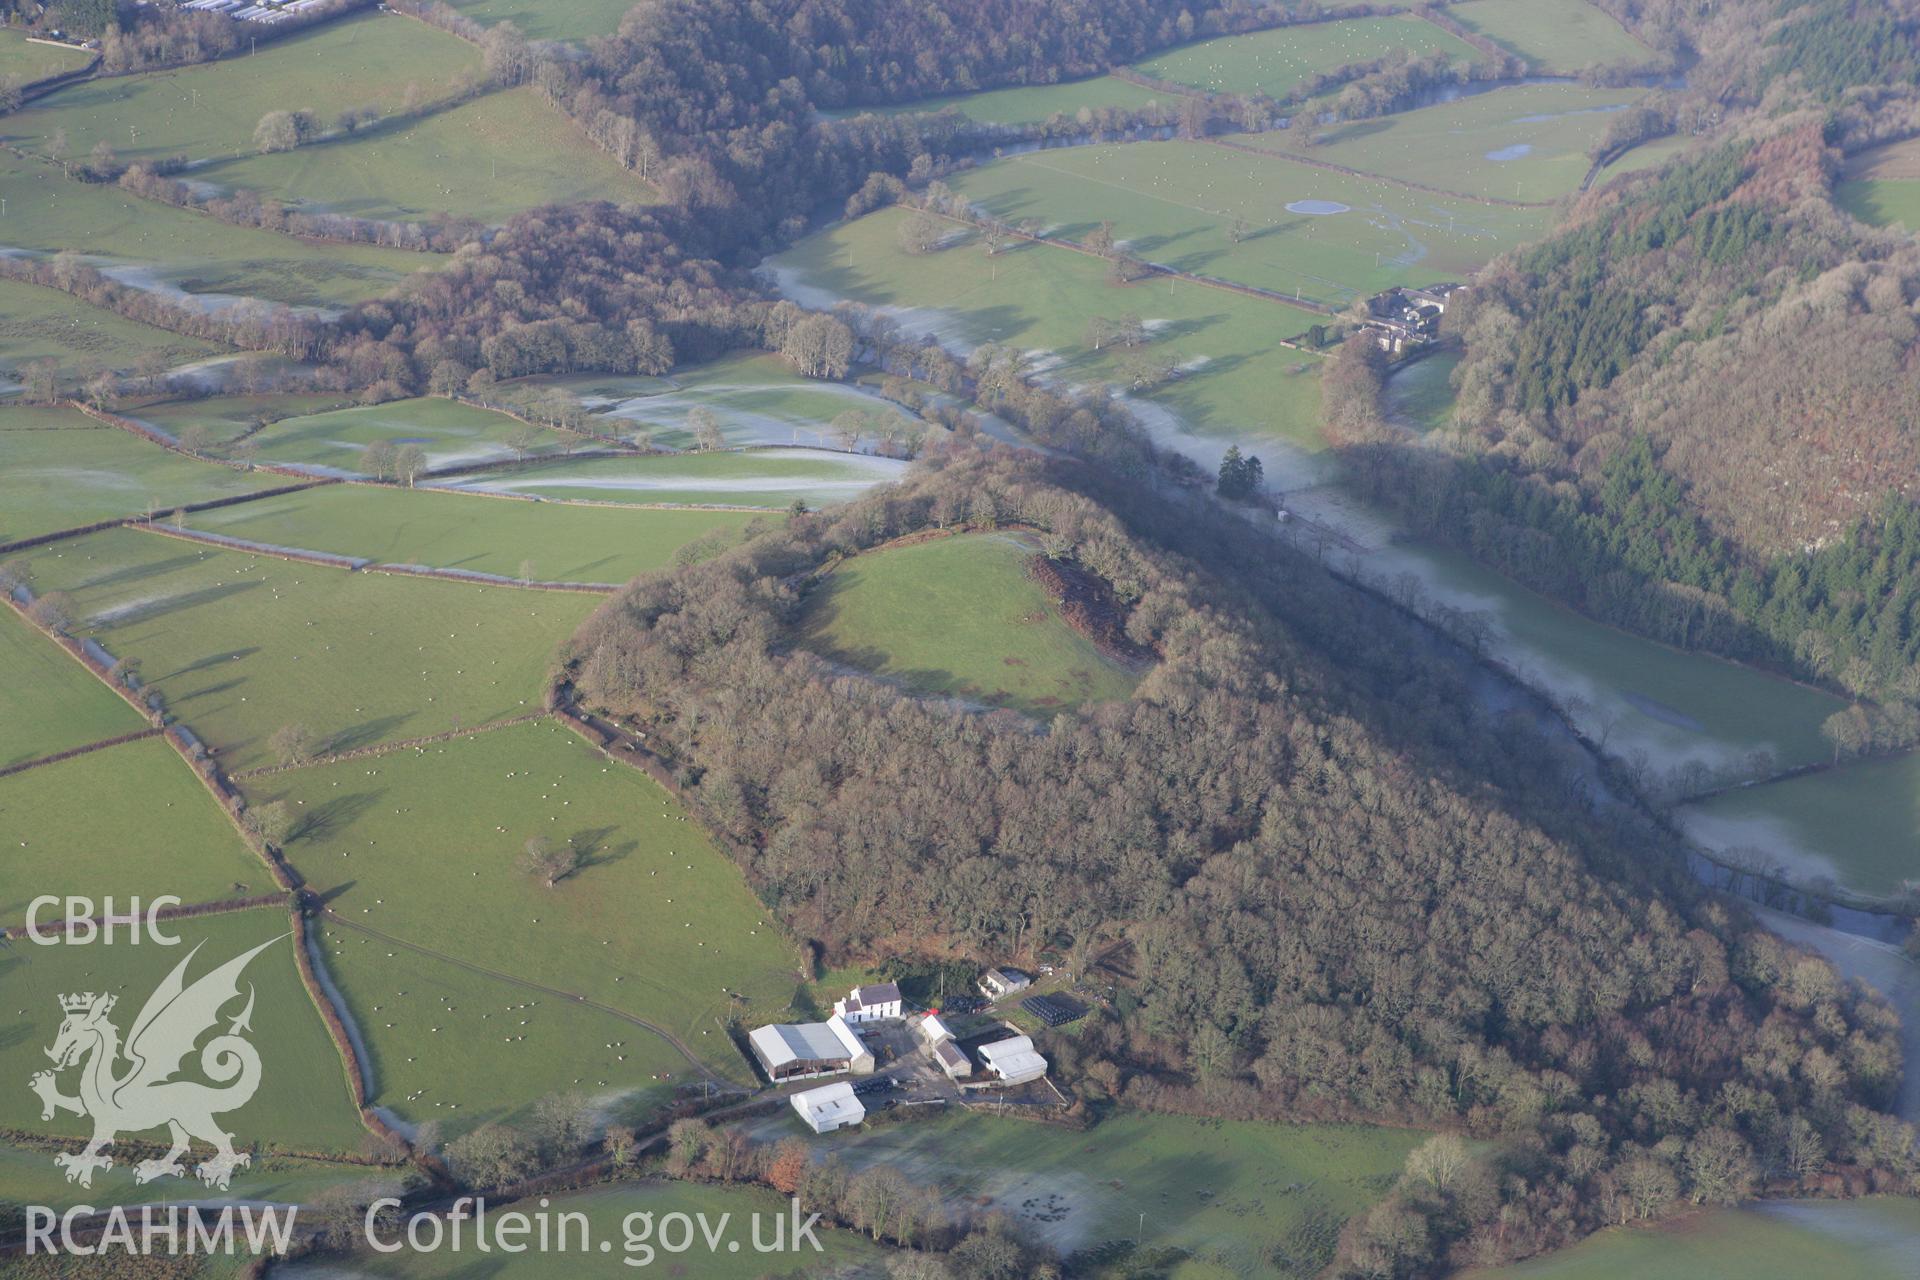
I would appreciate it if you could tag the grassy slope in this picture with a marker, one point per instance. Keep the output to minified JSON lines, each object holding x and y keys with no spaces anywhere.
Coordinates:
{"x":210,"y":110}
{"x":960,"y":616}
{"x":25,"y":61}
{"x":1421,"y":394}
{"x":1863,"y":1239}
{"x":757,"y":398}
{"x":447,"y":530}
{"x":48,"y":702}
{"x":1551,"y":35}
{"x":550,"y":19}
{"x":303,"y":1103}
{"x":64,"y":478}
{"x":1860,"y":824}
{"x":39,"y":324}
{"x":240,"y":645}
{"x":1245,"y":1199}
{"x":1273,"y":62}
{"x":1474,"y":145}
{"x":1176,"y":202}
{"x":772,"y":478}
{"x":488,"y":159}
{"x":28,"y":1176}
{"x":423,"y":846}
{"x":1030,"y":104}
{"x":611,"y":1213}
{"x":200,"y":254}
{"x":128,"y":820}
{"x":1039,"y":297}
{"x":446,"y":430}
{"x":450,"y":1045}
{"x":228,"y":416}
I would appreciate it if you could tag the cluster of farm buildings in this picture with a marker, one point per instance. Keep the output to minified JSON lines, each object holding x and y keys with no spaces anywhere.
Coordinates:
{"x":839,"y":1047}
{"x":1401,"y":319}
{"x":253,"y":11}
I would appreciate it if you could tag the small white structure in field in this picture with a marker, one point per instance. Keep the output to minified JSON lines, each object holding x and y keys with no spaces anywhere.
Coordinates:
{"x":830,"y":1107}
{"x":870,"y":1004}
{"x":1013,"y":1060}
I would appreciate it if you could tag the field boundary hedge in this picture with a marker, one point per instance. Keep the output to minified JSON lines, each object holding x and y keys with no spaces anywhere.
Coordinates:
{"x":186,"y":911}
{"x":1408,"y":184}
{"x":165,"y":441}
{"x":151,"y":731}
{"x":385,"y":748}
{"x":226,"y":542}
{"x":1152,"y":268}
{"x":351,"y":1066}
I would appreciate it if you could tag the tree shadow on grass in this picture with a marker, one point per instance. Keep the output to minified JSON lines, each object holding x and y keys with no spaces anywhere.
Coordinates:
{"x":318,"y":821}
{"x":173,"y":604}
{"x":594,"y":850}
{"x":141,"y":571}
{"x":210,"y":662}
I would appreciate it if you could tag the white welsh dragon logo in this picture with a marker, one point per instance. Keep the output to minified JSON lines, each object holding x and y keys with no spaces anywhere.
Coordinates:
{"x":145,"y":1095}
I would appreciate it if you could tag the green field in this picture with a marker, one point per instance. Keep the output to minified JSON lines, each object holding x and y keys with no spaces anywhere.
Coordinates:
{"x":447,"y":431}
{"x":303,"y":1104}
{"x":1235,"y":381}
{"x":1527,"y":142}
{"x":241,"y":645}
{"x":208,"y":111}
{"x":1242,"y":1198}
{"x":488,"y":159}
{"x":1858,"y":826}
{"x":1873,"y":1239}
{"x":1420,"y":395}
{"x":771,"y":478}
{"x":188,"y":250}
{"x":1032,"y":104}
{"x":48,"y":702}
{"x":130,"y":819}
{"x":45,"y":324}
{"x":86,"y":472}
{"x":1883,"y":202}
{"x":28,"y":1176}
{"x":1648,"y":155}
{"x":960,"y":616}
{"x":1177,"y":203}
{"x":542,"y":541}
{"x":225,"y":417}
{"x":449,"y":1045}
{"x":24,"y":61}
{"x":1551,"y":35}
{"x":1634,"y":694}
{"x":758,"y":399}
{"x":611,"y":1213}
{"x":657,"y":923}
{"x":550,"y":19}
{"x":1274,"y":61}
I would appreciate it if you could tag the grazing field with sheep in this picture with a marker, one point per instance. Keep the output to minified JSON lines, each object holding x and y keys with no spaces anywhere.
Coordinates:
{"x":430,"y":848}
{"x":472,"y":533}
{"x":241,"y":646}
{"x":60,"y":470}
{"x":128,"y":820}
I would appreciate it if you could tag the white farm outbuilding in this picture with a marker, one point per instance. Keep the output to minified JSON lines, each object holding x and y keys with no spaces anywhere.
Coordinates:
{"x":797,"y":1050}
{"x":1013,"y":1060}
{"x":830,"y":1107}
